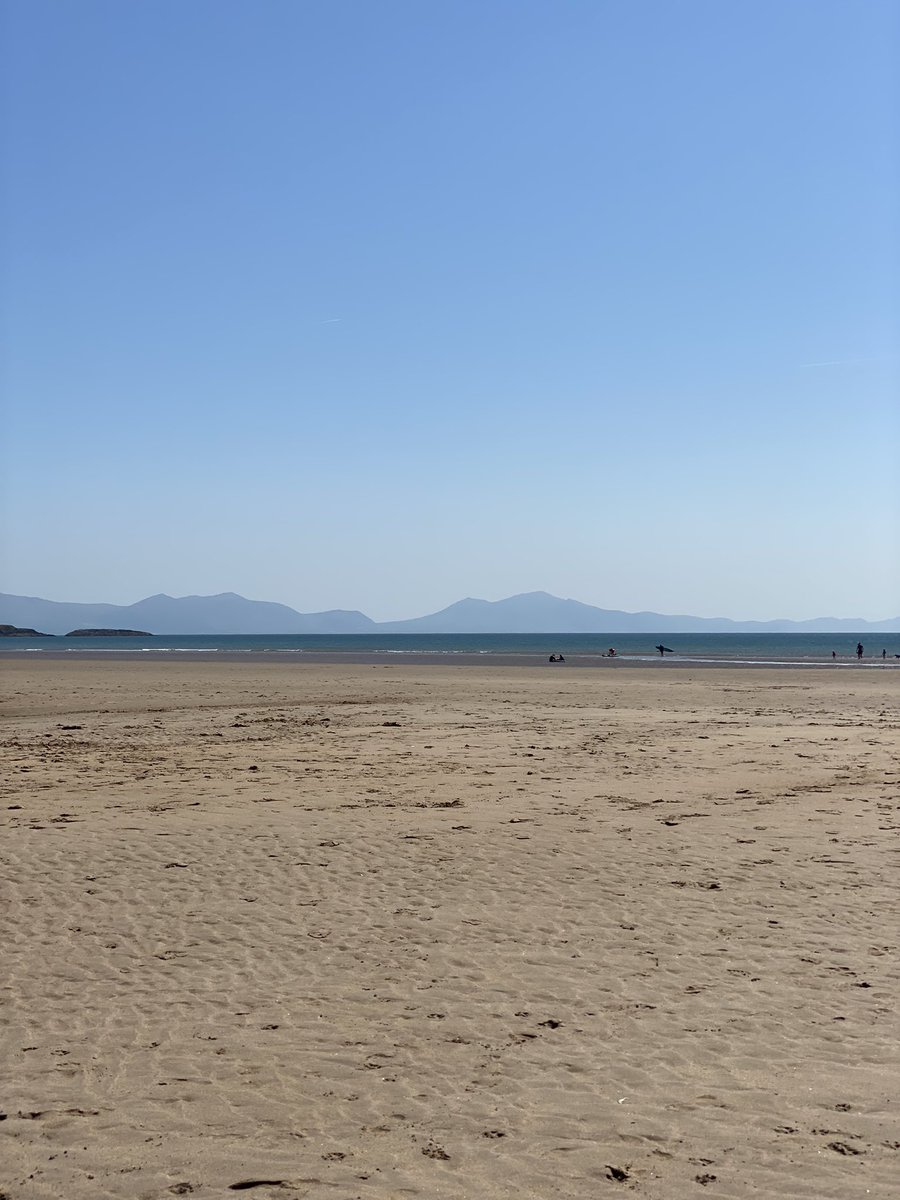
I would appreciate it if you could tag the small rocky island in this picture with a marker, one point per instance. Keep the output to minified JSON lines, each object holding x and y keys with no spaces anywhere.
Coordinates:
{"x":15,"y":631}
{"x":108,"y":633}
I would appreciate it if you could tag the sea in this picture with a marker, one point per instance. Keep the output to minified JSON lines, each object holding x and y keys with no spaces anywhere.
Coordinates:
{"x":775,"y":648}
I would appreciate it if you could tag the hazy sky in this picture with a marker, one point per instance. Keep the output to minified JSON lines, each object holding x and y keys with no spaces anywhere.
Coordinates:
{"x":381,"y":304}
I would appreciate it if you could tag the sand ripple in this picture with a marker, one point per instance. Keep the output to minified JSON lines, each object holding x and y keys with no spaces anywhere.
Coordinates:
{"x":447,"y":932}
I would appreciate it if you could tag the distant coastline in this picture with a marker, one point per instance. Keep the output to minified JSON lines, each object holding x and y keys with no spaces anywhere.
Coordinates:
{"x":532,"y":612}
{"x":12,"y":631}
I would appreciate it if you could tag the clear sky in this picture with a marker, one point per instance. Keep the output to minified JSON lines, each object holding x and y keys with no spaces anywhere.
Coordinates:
{"x":378,"y":304}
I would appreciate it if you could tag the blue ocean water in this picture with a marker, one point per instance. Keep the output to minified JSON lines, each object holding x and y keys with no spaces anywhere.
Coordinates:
{"x":754,"y":647}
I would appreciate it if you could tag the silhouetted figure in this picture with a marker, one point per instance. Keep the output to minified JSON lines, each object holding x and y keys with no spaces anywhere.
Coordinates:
{"x":552,"y":658}
{"x":883,"y":655}
{"x":611,"y":653}
{"x":859,"y":649}
{"x":834,"y":654}
{"x":663,"y":650}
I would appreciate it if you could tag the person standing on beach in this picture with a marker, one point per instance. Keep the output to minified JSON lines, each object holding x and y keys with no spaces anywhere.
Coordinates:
{"x":859,"y":650}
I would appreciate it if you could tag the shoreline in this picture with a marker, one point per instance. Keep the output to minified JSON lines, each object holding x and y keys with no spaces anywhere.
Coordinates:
{"x":433,"y":659}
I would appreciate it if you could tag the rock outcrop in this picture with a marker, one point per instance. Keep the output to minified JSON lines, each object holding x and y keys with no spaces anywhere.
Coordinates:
{"x":109,"y":633}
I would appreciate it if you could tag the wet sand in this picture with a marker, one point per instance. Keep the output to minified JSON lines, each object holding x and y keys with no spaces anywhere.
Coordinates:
{"x":376,"y":930}
{"x":425,"y":658}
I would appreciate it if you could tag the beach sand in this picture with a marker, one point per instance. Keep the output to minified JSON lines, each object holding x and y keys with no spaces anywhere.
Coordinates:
{"x":393,"y":931}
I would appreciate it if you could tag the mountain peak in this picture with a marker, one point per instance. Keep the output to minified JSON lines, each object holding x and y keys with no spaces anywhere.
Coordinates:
{"x":527,"y":612}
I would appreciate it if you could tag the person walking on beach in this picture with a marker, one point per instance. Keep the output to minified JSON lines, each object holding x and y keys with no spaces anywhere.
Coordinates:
{"x":859,"y":650}
{"x":883,"y":655}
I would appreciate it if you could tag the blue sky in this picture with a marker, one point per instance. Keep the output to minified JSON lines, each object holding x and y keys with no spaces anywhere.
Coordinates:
{"x":378,"y":305}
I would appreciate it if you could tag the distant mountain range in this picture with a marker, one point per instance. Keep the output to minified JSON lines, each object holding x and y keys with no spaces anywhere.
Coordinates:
{"x":532,"y":612}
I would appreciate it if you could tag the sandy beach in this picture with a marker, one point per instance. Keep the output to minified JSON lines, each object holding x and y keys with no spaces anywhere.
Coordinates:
{"x":380,"y":931}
